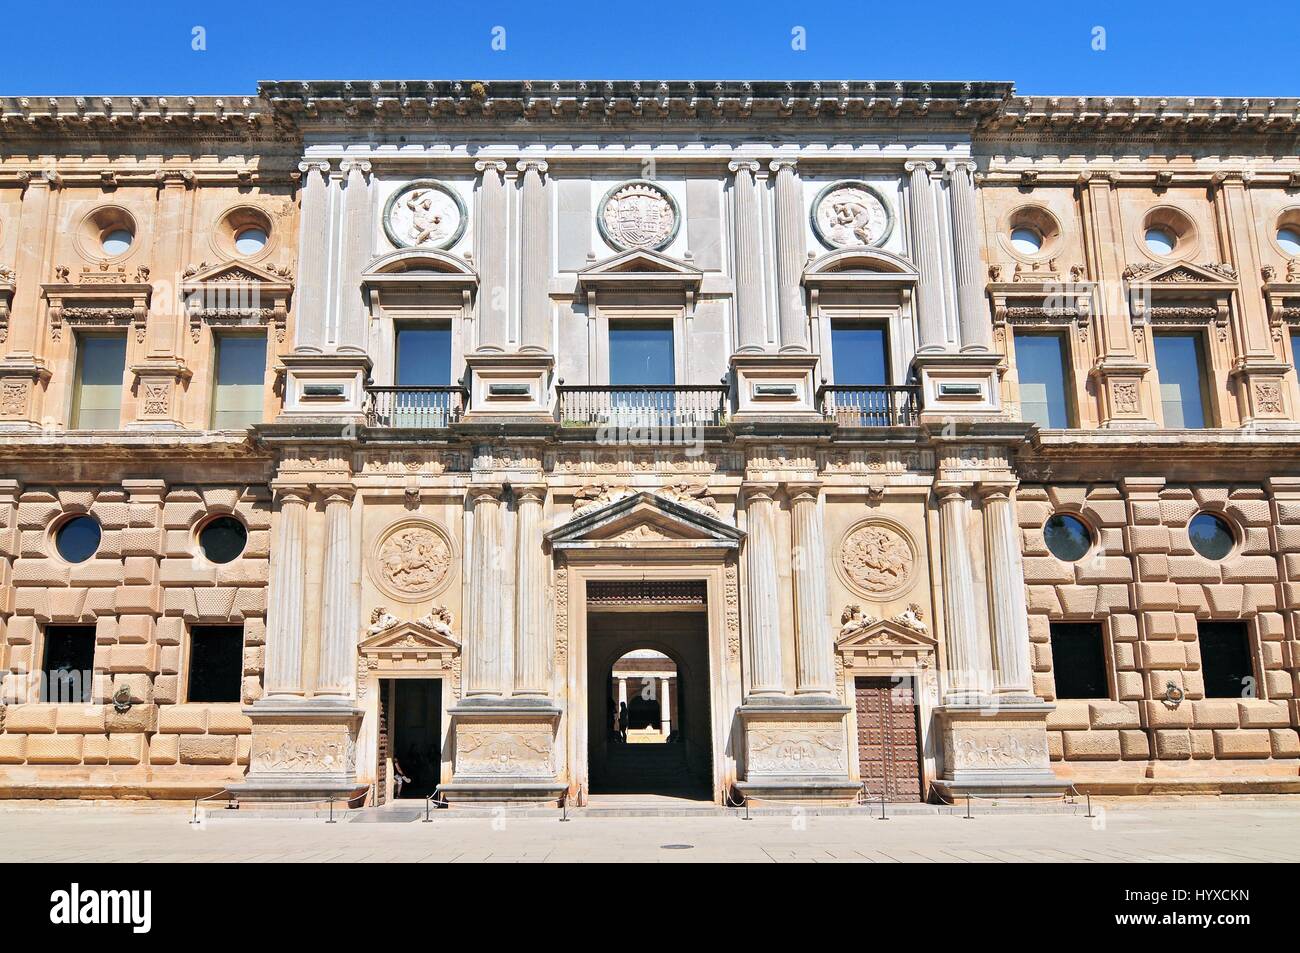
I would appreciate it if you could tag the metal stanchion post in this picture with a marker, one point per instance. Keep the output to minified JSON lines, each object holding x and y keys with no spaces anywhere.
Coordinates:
{"x":968,"y":816}
{"x":331,"y":820}
{"x":882,"y":807}
{"x":1089,"y":814}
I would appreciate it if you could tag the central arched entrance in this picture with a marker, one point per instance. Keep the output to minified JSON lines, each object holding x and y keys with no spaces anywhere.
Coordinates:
{"x":649,"y":726}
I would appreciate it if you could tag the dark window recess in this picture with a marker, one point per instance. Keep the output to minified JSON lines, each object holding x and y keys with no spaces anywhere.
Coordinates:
{"x":1079,"y":660}
{"x":1225,"y":660}
{"x":69,"y":663}
{"x":216,"y":663}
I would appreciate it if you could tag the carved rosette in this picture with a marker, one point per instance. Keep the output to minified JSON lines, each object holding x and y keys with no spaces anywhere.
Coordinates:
{"x":413,"y":560}
{"x":877,"y":559}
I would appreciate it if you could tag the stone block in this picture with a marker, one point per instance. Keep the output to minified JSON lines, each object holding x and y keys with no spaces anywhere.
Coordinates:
{"x":1134,"y":745}
{"x":1145,"y":512}
{"x":1125,"y":655}
{"x":1225,"y":600}
{"x":164,"y":749}
{"x":1242,"y":743}
{"x":1153,"y":567}
{"x":31,"y":719}
{"x":183,"y":719}
{"x":244,"y":572}
{"x":254,"y":659}
{"x":1250,"y":569}
{"x":215,"y":603}
{"x":166,"y":689}
{"x":1270,"y":625}
{"x":1193,"y":569}
{"x":252,"y":689}
{"x":1077,"y":600}
{"x":1070,"y":713}
{"x":1160,"y":715}
{"x":1284,"y":742}
{"x":1173,"y":744}
{"x":13,"y":748}
{"x":1107,"y":512}
{"x":1288,"y":538}
{"x":1262,"y":713}
{"x":21,"y":630}
{"x":207,"y":749}
{"x":1091,"y":745}
{"x":243,"y":747}
{"x":186,"y":572}
{"x":1257,"y":541}
{"x":136,"y":719}
{"x":126,"y":749}
{"x":132,"y":658}
{"x":1047,"y":569}
{"x":1130,"y":686}
{"x":1104,"y":715}
{"x":1260,"y":597}
{"x":1040,"y":599}
{"x":1103,"y":570}
{"x":1215,"y":713}
{"x":1162,"y":655}
{"x":97,"y":572}
{"x":138,"y":599}
{"x":54,"y":749}
{"x":79,"y":719}
{"x":1279,"y":684}
{"x":228,"y":720}
{"x":40,"y":572}
{"x":1159,"y":625}
{"x":1250,"y":512}
{"x":1157,"y":595}
{"x":140,"y":571}
{"x":138,"y":685}
{"x":94,"y":749}
{"x":1202,"y":744}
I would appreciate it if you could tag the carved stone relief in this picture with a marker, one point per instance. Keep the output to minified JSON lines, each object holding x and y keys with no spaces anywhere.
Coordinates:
{"x":876,"y":559}
{"x":850,"y":213}
{"x":412,"y":560}
{"x":796,"y":749}
{"x":638,"y":215}
{"x":424,"y":213}
{"x":505,"y":751}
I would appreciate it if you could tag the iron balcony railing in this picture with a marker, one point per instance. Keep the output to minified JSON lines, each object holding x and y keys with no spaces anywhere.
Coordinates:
{"x":422,"y":407}
{"x":878,"y":405}
{"x":646,"y":405}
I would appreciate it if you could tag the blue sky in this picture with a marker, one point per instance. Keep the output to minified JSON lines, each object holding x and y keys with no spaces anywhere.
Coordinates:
{"x":1183,"y":48}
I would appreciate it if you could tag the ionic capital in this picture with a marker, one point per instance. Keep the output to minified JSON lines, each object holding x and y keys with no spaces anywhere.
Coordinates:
{"x":803,"y":492}
{"x":743,"y":165}
{"x":524,"y":166}
{"x":788,"y":163}
{"x":914,"y":166}
{"x":498,"y":166}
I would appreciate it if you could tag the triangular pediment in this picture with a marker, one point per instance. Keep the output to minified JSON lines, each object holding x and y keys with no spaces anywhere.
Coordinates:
{"x":407,"y":637}
{"x":234,"y":272}
{"x":884,"y":635}
{"x":1181,"y":273}
{"x":640,"y":265}
{"x":643,"y":519}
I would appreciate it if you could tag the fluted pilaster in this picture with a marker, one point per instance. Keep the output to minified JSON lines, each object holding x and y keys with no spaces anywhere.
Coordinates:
{"x":763,"y":602}
{"x":532,"y":627}
{"x":535,"y":329}
{"x":925,"y":251}
{"x":968,"y":655}
{"x":313,"y":257}
{"x":972,"y":310}
{"x":750,"y":320}
{"x":33,"y":225}
{"x":483,"y":648}
{"x":791,"y":254}
{"x":1007,"y":609}
{"x":493,"y":318}
{"x":339,"y":618}
{"x":815,"y":650}
{"x":357,"y":242}
{"x":286,"y":597}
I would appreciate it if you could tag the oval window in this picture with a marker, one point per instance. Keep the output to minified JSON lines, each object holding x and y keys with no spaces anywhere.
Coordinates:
{"x":1161,"y":241}
{"x":250,"y":241}
{"x":1288,"y":240}
{"x":1026,"y":240}
{"x":223,"y":539}
{"x":1211,"y":536}
{"x":78,"y":538}
{"x":1067,"y":537}
{"x":116,"y":241}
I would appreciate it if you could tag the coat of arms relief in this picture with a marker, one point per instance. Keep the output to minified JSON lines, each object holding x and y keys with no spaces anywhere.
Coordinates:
{"x":638,"y":215}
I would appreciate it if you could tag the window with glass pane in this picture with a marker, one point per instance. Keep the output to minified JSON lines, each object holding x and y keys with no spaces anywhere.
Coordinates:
{"x":859,"y":354}
{"x":101,"y":362}
{"x":641,"y":354}
{"x":423,"y":361}
{"x":241,"y":373}
{"x":1041,"y":368}
{"x":1181,"y":367}
{"x":1295,"y":351}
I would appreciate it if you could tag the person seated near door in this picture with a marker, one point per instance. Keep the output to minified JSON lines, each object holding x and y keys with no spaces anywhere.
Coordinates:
{"x":399,"y":778}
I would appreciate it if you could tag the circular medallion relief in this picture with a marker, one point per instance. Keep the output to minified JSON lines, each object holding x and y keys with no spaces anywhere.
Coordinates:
{"x":412,"y":560}
{"x":876,"y":559}
{"x":637,"y":215}
{"x":850,"y":213}
{"x":426,"y":213}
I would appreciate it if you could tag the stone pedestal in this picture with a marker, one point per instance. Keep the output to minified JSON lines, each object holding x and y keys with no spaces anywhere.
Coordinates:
{"x":22,"y":377}
{"x":775,"y":384}
{"x":301,"y":751}
{"x":504,"y":750}
{"x":158,"y":392}
{"x":996,"y":751}
{"x":958,"y":385}
{"x":320,"y":384}
{"x":796,"y":748}
{"x":509,"y":385}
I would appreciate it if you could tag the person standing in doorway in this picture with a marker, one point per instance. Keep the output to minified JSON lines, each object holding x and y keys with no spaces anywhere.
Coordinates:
{"x":622,"y":721}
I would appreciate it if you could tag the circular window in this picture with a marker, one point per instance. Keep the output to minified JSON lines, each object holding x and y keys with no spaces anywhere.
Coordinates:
{"x":1211,"y":535}
{"x":250,"y":241}
{"x":1026,"y":240}
{"x":1067,"y":537}
{"x":1288,"y":239}
{"x":78,"y":538}
{"x":223,"y":539}
{"x":1160,"y":241}
{"x":116,"y":242}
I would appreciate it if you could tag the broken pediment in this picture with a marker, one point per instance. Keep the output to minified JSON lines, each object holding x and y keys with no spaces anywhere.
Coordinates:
{"x":1182,"y":272}
{"x":236,"y":294}
{"x":238,"y":272}
{"x":644,"y":519}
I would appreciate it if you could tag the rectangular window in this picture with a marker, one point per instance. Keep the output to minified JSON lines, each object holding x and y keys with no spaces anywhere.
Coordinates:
{"x":1180,"y":364}
{"x":216,"y":663}
{"x":101,"y":364}
{"x":641,"y":352}
{"x":860,"y":354}
{"x":424,"y":355}
{"x":1043,"y":373}
{"x":1295,"y":351}
{"x":69,"y":665}
{"x":1079,"y":660}
{"x":1225,"y":659}
{"x":240,"y":376}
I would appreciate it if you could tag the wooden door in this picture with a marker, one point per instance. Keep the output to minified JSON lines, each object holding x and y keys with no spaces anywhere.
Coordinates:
{"x":888,"y":752}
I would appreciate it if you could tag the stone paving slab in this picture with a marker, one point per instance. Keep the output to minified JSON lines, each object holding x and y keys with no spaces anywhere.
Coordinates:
{"x":1242,"y":832}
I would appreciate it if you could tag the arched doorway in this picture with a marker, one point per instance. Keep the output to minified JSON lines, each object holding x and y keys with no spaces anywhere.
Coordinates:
{"x":643,"y":696}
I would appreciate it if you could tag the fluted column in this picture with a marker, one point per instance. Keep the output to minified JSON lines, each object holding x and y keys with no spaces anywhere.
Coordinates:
{"x":287,"y":596}
{"x":483,"y":650}
{"x":815,"y":650}
{"x":968,"y":655}
{"x":532,"y":627}
{"x":1007,"y":610}
{"x":665,"y":708}
{"x":535,"y":329}
{"x":751,"y":326}
{"x":791,"y":254}
{"x":357,"y":243}
{"x":34,"y":225}
{"x":763,"y":602}
{"x":339,"y":617}
{"x":973,"y":315}
{"x":493,"y":311}
{"x":925,"y":251}
{"x":313,"y":256}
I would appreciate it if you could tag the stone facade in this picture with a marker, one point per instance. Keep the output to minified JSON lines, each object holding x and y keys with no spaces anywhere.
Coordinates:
{"x":498,"y":533}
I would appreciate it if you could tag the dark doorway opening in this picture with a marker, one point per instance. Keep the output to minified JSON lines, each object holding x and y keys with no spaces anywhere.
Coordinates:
{"x":413,"y":710}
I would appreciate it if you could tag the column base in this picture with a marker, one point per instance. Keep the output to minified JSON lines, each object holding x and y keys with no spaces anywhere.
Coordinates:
{"x":504,"y":750}
{"x":302,"y":750}
{"x":796,"y":748}
{"x":998,"y":749}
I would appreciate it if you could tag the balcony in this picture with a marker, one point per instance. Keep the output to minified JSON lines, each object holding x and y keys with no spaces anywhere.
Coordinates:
{"x":644,"y":406}
{"x":871,"y":406}
{"x":422,"y":407}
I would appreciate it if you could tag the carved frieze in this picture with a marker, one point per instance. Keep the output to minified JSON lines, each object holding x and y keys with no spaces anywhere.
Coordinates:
{"x":300,"y":749}
{"x":996,"y":745}
{"x":493,"y":750}
{"x":795,"y":749}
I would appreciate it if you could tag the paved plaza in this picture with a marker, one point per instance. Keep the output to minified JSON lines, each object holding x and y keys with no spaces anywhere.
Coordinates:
{"x":1179,"y":831}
